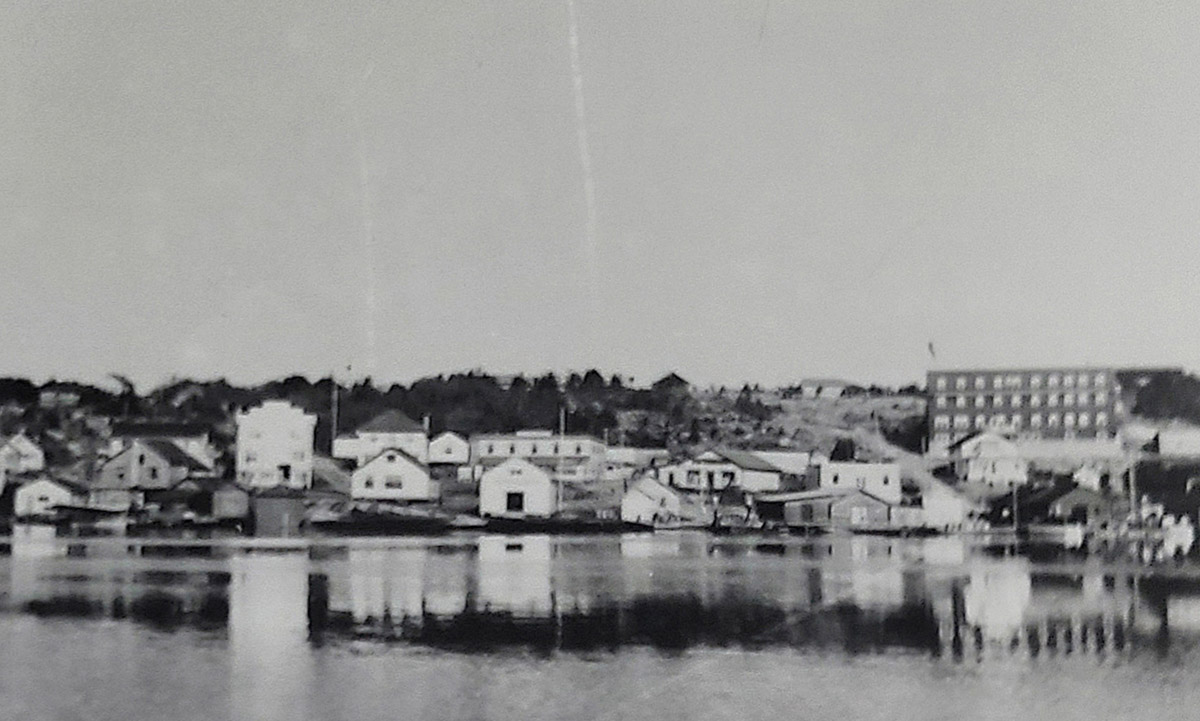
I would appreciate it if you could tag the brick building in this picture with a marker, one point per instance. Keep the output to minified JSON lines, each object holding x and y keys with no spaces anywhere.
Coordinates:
{"x":1022,"y":403}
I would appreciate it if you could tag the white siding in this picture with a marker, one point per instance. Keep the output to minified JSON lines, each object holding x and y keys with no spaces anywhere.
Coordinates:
{"x":393,"y":477}
{"x":516,"y":476}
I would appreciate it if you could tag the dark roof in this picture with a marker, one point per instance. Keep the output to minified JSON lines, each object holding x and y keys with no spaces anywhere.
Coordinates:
{"x":164,"y":429}
{"x":175,"y":455}
{"x":746,"y":460}
{"x":278,"y":492}
{"x":671,"y":380}
{"x":398,"y":451}
{"x":73,"y":486}
{"x":328,"y":475}
{"x":391,"y":421}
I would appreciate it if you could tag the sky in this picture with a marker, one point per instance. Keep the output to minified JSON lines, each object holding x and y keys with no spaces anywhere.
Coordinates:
{"x":734,"y":190}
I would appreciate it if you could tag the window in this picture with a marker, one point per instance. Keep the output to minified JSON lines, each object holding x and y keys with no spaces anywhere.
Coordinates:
{"x":1069,"y":420}
{"x":154,"y":473}
{"x":512,"y":448}
{"x":960,"y":382}
{"x":1068,"y":399}
{"x":712,"y":479}
{"x":369,"y":483}
{"x":1099,"y":379}
{"x":886,"y":480}
{"x":835,"y":479}
{"x":980,"y":420}
{"x":1082,"y":380}
{"x":1052,"y":381}
{"x":1068,"y":381}
{"x":1084,"y":420}
{"x":491,"y":449}
{"x":1052,"y":400}
{"x":1016,"y":421}
{"x":142,"y":459}
{"x":391,"y":458}
{"x":1035,"y":421}
{"x":962,"y":421}
{"x":394,"y":482}
{"x":1035,"y":381}
{"x":980,"y":382}
{"x":1035,"y":401}
{"x":578,"y":450}
{"x":1102,"y":419}
{"x":533,"y":449}
{"x":960,"y":402}
{"x":941,"y":401}
{"x":998,"y":382}
{"x":941,"y":383}
{"x":515,"y":501}
{"x":1101,"y":398}
{"x":556,"y":449}
{"x":997,"y":401}
{"x":941,"y":421}
{"x":1052,"y":420}
{"x":1016,"y":401}
{"x":1012,"y":381}
{"x":980,"y":401}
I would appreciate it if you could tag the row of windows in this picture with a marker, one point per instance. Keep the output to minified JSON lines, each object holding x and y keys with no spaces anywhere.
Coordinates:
{"x":860,"y":481}
{"x":1037,"y":420}
{"x":1018,"y":380}
{"x":1018,"y":400}
{"x":252,"y":457}
{"x":533,"y":449}
{"x":392,"y":483}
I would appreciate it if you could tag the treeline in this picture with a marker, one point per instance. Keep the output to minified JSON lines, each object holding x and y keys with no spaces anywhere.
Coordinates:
{"x":471,"y":402}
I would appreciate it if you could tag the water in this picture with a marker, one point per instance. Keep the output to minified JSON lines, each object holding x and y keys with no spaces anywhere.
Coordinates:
{"x":665,"y":626}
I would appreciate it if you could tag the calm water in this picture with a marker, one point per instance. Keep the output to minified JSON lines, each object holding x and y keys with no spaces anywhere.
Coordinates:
{"x":666,"y":626}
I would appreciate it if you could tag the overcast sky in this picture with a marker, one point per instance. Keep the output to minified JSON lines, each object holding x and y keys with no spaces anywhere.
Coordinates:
{"x":778,"y":190}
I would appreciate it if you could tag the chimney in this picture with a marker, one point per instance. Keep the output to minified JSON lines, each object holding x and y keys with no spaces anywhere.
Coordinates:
{"x":425,"y":422}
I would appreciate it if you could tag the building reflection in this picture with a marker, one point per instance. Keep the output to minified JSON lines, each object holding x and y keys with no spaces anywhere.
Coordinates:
{"x":271,"y":663}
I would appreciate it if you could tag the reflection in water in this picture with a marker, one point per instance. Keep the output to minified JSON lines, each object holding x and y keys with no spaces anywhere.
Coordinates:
{"x":268,"y":633}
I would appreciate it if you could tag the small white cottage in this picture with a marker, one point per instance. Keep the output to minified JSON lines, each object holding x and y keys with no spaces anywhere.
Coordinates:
{"x":517,"y":487}
{"x":393,"y":475}
{"x":40,"y":497}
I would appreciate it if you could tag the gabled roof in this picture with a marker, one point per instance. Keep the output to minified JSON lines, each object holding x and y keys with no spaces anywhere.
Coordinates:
{"x":671,"y":380}
{"x":746,"y":460}
{"x":175,"y":456}
{"x":72,"y":486}
{"x":391,"y":421}
{"x":398,"y":451}
{"x":979,"y":434}
{"x":443,"y":434}
{"x":815,"y":495}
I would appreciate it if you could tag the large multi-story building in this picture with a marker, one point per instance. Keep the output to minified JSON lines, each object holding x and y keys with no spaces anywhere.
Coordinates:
{"x":275,"y":446}
{"x":565,"y":457}
{"x":1022,"y":403}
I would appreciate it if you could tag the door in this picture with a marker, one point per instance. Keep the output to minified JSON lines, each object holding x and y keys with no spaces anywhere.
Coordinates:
{"x":515,"y":502}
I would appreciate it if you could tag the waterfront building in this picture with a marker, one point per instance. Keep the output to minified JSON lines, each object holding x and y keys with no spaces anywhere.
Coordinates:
{"x":193,"y":438}
{"x":517,"y":487}
{"x":566,"y":457}
{"x":721,"y":468}
{"x":390,"y":429}
{"x":275,"y":446}
{"x":880,"y":480}
{"x":651,"y":502}
{"x":1179,"y":441}
{"x":1023,"y":402}
{"x":827,"y":509}
{"x":625,"y":457}
{"x":449,"y":448}
{"x":142,"y":467}
{"x":989,"y":458}
{"x":39,"y":497}
{"x":20,"y":454}
{"x":393,"y":475}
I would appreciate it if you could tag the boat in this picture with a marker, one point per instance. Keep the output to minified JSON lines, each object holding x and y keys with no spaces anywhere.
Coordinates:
{"x":581,"y":525}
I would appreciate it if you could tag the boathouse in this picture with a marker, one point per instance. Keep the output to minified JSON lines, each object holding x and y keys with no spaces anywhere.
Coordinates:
{"x":517,"y":487}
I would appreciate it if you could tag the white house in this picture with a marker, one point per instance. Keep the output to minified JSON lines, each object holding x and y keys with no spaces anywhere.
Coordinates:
{"x":944,"y":507}
{"x":275,"y":446}
{"x":193,"y":438}
{"x":39,"y":497}
{"x":718,"y":469}
{"x":651,"y":502}
{"x":1179,"y":441}
{"x":625,"y":457}
{"x":989,"y":458}
{"x":393,"y":475}
{"x":881,"y":480}
{"x":450,"y":448}
{"x":823,"y":387}
{"x":390,"y":429}
{"x":517,"y":487}
{"x":20,"y":454}
{"x":566,"y":457}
